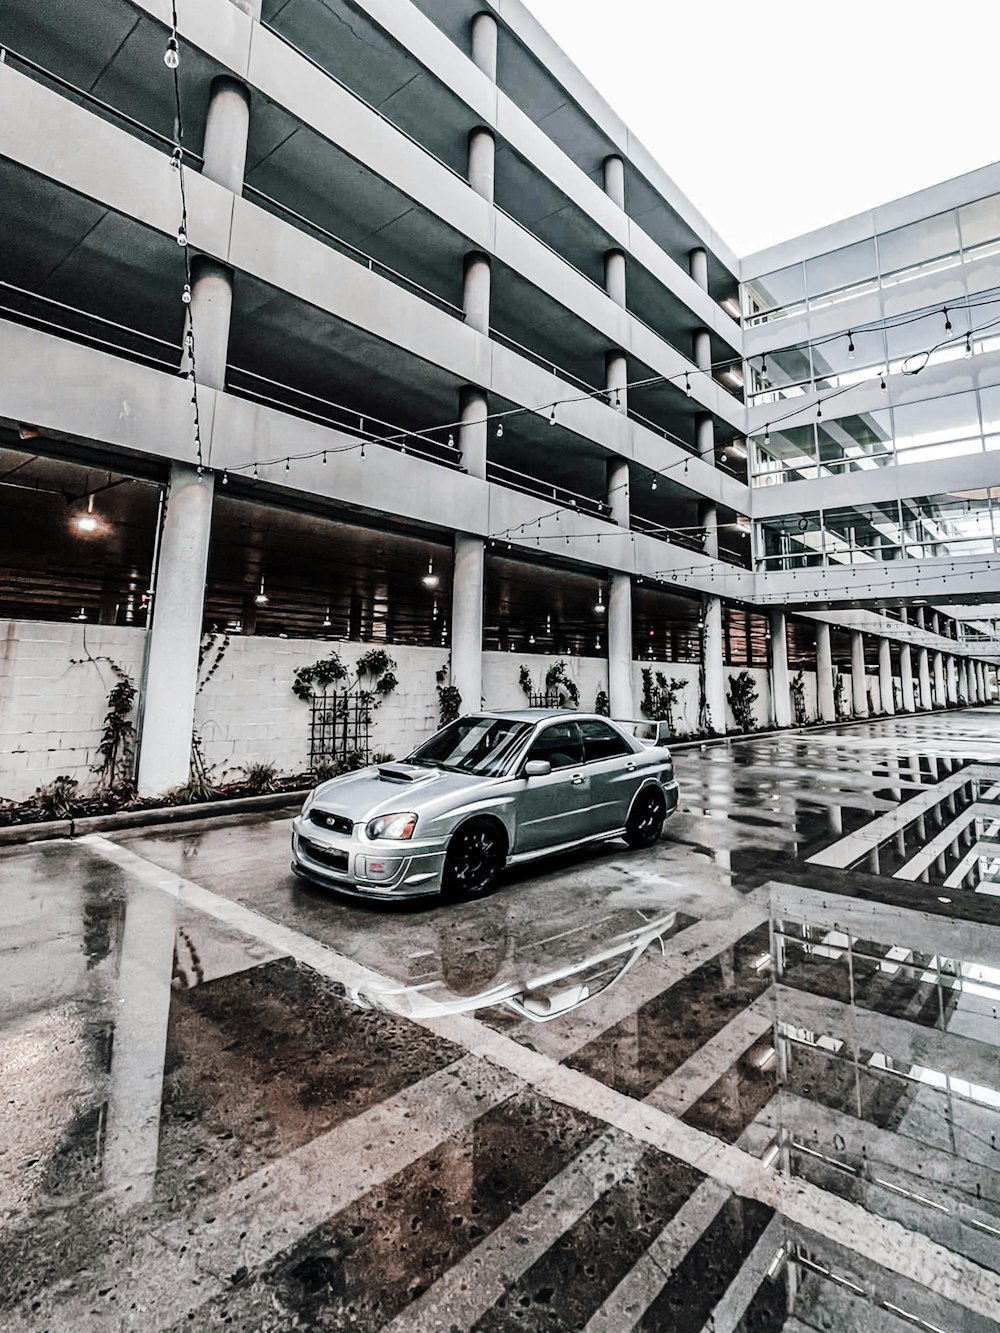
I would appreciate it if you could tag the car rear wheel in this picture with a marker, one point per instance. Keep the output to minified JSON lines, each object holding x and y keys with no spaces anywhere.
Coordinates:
{"x":476,"y":855}
{"x":645,"y":820}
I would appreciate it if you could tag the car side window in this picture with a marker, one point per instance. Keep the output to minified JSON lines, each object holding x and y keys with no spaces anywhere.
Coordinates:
{"x":559,"y":744}
{"x":602,"y":742}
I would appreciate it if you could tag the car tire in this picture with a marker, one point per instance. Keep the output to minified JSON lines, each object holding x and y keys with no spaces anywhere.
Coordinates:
{"x":476,"y":854}
{"x":646,"y":818}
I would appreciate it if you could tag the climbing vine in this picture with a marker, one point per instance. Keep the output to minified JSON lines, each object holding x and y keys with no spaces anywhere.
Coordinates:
{"x":798,"y":693}
{"x":659,"y":695}
{"x":742,"y":696}
{"x":449,"y":698}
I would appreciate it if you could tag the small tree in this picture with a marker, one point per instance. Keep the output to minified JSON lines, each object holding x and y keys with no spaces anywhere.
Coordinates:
{"x":659,"y":696}
{"x":840,"y":697}
{"x":449,"y":698}
{"x":742,"y":697}
{"x":602,"y":704}
{"x":557,"y":681}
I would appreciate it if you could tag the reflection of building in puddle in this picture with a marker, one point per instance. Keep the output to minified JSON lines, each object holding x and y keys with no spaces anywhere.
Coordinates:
{"x":947,"y":833}
{"x":887,"y":1034}
{"x":537,"y":988}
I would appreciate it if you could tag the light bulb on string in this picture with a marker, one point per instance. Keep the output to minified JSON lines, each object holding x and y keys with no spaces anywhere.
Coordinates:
{"x":763,"y":366}
{"x":850,"y":345}
{"x":451,"y":441}
{"x":225,"y":477}
{"x":767,"y":434}
{"x":172,"y":55}
{"x":176,"y":157}
{"x":186,"y":294}
{"x":182,"y":239}
{"x":947,"y":320}
{"x":324,"y":457}
{"x":819,"y":411}
{"x":599,"y":604}
{"x":552,"y":415}
{"x":968,"y":344}
{"x":256,"y":474}
{"x":500,"y":431}
{"x":687,"y":384}
{"x":653,"y":485}
{"x":881,"y":380}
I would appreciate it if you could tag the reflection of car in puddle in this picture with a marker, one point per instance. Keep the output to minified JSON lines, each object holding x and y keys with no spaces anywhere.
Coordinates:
{"x":538,"y":996}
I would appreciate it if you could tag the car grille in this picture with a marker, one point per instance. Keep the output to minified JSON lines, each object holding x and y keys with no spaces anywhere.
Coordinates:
{"x":325,"y":856}
{"x":338,"y":823}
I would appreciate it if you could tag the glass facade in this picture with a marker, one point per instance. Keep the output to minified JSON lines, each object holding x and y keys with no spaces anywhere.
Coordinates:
{"x":958,"y":236}
{"x":947,"y":525}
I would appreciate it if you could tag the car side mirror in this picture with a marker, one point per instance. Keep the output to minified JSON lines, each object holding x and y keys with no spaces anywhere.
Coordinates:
{"x":537,"y":768}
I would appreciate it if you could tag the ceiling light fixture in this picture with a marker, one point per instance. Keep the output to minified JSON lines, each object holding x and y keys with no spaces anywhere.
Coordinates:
{"x":262,"y":598}
{"x":327,"y":622}
{"x":599,"y":607}
{"x":430,"y":579}
{"x":87,"y":522}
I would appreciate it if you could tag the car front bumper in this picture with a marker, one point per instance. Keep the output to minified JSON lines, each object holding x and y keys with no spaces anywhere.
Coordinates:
{"x":393,"y":871}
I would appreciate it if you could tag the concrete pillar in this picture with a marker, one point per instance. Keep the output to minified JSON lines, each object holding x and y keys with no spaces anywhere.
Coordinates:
{"x":964,"y":687}
{"x":715,"y":676}
{"x":701,"y":349}
{"x":476,"y":291}
{"x":227,"y":128}
{"x":781,"y":699}
{"x":824,"y":673}
{"x":210,"y":313}
{"x":473,"y":432}
{"x":885,"y":677}
{"x":698,"y":267}
{"x":859,"y":682}
{"x":924,"y":677}
{"x":484,"y":44}
{"x":482,"y":162}
{"x":614,"y":276}
{"x":467,"y":620}
{"x":174,"y":636}
{"x":614,"y":180}
{"x":940,"y":697}
{"x":616,"y":382}
{"x":620,"y":697}
{"x":951,"y":679}
{"x":906,"y":679}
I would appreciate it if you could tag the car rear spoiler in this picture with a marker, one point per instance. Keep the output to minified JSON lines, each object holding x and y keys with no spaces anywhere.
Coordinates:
{"x":650,"y":734}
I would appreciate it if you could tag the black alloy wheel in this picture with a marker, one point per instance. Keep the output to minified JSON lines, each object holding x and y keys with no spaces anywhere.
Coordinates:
{"x":645,"y":821}
{"x":476,"y":855}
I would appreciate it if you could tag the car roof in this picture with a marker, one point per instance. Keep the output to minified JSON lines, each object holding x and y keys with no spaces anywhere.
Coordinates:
{"x":536,"y":714}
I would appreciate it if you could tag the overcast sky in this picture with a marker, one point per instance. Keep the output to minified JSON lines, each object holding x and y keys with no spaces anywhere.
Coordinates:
{"x":781,"y":116}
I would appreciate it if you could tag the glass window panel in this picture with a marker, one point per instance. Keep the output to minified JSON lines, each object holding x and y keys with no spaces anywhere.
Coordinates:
{"x":789,"y":455}
{"x":858,"y":534}
{"x":989,"y":404}
{"x":856,"y":443}
{"x":841,"y":273}
{"x":921,"y":332}
{"x":792,"y":541}
{"x":779,"y":374}
{"x":909,"y":251}
{"x":774,"y":291}
{"x":937,"y":428}
{"x":979,"y":223}
{"x":956,"y":523}
{"x":849,"y":358}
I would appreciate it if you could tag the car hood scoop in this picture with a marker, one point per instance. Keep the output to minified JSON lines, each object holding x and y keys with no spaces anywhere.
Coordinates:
{"x":406,"y":772}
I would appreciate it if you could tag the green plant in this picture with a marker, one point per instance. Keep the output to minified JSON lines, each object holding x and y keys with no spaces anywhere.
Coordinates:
{"x":659,"y":696}
{"x":524,"y":680}
{"x":602,"y":705}
{"x":318,"y":676}
{"x":375,"y":662}
{"x":117,"y":737}
{"x":557,"y":681}
{"x":449,"y":698}
{"x":743,"y":695}
{"x":193,"y":792}
{"x":211,"y":643}
{"x":52,"y":801}
{"x":386,"y":684}
{"x":326,"y":769}
{"x":382,"y":757}
{"x":797,"y":689}
{"x":840,"y":696}
{"x":352,"y":761}
{"x":260,"y":777}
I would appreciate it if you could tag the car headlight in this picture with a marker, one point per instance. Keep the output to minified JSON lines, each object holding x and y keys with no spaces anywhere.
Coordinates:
{"x":307,"y":803}
{"x":392,"y":826}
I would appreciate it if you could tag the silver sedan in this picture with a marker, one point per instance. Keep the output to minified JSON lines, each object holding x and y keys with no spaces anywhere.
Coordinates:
{"x":487,"y":791}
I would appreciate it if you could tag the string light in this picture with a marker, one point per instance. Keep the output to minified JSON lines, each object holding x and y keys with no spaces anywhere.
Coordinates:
{"x":182,"y":239}
{"x":225,"y":477}
{"x":763,"y":366}
{"x":687,"y":384}
{"x":172,"y":55}
{"x":968,"y":344}
{"x":947,"y":320}
{"x":186,"y":294}
{"x":552,"y":415}
{"x":850,"y":345}
{"x":500,"y":430}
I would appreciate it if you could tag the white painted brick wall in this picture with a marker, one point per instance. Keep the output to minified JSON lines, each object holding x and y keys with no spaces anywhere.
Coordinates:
{"x":501,"y":671}
{"x":52,"y":711}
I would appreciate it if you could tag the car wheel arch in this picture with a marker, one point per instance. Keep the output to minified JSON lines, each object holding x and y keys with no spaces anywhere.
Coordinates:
{"x":493,"y":820}
{"x":650,"y":784}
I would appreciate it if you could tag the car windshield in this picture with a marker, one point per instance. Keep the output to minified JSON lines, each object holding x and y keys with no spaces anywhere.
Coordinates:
{"x":481,"y":745}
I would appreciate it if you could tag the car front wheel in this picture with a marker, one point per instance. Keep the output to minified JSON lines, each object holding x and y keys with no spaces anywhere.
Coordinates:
{"x":645,"y":821}
{"x":476,"y":855}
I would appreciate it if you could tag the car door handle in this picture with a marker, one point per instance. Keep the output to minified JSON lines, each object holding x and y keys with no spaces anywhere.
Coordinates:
{"x":630,"y":767}
{"x":577,"y":779}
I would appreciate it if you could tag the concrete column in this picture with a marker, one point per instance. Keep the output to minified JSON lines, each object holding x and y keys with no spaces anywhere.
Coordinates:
{"x":951,"y":679}
{"x":473,"y":432}
{"x":210,"y":313}
{"x":940,"y":697}
{"x":715,"y":675}
{"x":698,"y":267}
{"x":620,"y":696}
{"x":885,"y":677}
{"x":906,"y":679}
{"x":781,"y":699}
{"x":614,"y":180}
{"x":616,"y":382}
{"x":859,"y":682}
{"x":824,"y":673}
{"x":701,"y":349}
{"x":174,"y":636}
{"x":962,"y":681}
{"x":924,"y":677}
{"x":467,"y":620}
{"x":484,"y":44}
{"x":614,"y":276}
{"x":227,"y":128}
{"x":482,"y":162}
{"x":476,"y":291}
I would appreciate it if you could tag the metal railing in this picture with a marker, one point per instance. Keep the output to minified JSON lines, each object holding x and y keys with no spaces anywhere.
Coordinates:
{"x":561,"y":495}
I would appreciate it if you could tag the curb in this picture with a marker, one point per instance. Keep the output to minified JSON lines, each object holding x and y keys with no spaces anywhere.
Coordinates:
{"x":18,"y":834}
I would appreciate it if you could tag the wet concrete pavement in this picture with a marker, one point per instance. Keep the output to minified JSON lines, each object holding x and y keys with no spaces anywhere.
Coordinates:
{"x":747,"y":1080}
